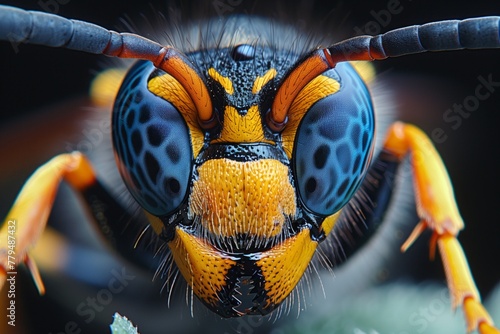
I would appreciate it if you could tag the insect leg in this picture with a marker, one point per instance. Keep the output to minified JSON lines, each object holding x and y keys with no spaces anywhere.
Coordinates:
{"x":438,"y":211}
{"x":34,"y":203}
{"x":32,"y":207}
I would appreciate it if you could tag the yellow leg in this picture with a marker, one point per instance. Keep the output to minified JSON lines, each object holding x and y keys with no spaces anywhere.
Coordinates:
{"x":28,"y":216}
{"x":105,"y":87}
{"x":438,"y":211}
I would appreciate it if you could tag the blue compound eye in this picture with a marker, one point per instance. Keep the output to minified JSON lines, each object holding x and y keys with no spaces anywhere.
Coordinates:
{"x":152,"y":144}
{"x":333,"y":144}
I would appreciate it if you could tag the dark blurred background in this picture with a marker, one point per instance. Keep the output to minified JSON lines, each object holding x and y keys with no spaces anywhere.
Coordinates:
{"x":38,"y":78}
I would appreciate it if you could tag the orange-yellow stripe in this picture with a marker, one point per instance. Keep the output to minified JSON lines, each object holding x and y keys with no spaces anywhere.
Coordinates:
{"x":224,"y":81}
{"x":261,"y":81}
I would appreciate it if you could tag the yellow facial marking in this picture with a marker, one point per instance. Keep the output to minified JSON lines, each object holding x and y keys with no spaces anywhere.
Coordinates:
{"x":252,"y":197}
{"x":172,"y":91}
{"x":283,"y":265}
{"x":241,"y":128}
{"x":188,"y":78}
{"x":155,"y":222}
{"x":202,"y":266}
{"x":318,"y":88}
{"x":261,"y":81}
{"x":329,"y":222}
{"x":224,"y":81}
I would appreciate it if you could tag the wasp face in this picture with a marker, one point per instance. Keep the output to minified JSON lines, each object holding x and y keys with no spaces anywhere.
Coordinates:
{"x":241,"y":205}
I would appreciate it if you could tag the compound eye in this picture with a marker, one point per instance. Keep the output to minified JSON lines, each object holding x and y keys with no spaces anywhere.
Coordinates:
{"x":333,"y":145}
{"x":152,"y":144}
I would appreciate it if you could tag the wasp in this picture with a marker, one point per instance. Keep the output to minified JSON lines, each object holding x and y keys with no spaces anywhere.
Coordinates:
{"x":246,"y":157}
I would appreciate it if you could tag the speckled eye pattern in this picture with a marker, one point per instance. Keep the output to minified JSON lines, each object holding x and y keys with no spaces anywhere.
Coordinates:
{"x":334,"y":144}
{"x":152,"y":143}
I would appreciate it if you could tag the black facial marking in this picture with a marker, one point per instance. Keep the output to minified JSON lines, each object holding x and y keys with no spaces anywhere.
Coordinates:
{"x":342,"y":187}
{"x":152,"y":166}
{"x":137,"y":143}
{"x":172,"y":185}
{"x":155,"y":135}
{"x":144,"y":114}
{"x":173,"y":153}
{"x":321,"y":156}
{"x":138,"y":97}
{"x":130,"y":118}
{"x":311,"y":185}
